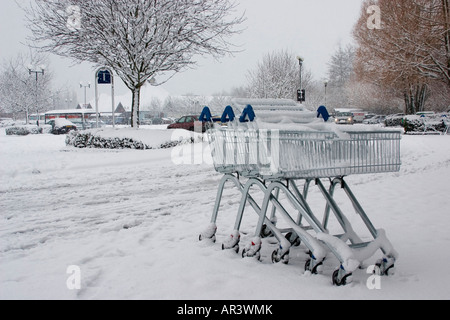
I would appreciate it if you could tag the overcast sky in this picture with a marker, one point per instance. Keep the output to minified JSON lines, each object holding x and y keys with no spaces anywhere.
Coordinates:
{"x":312,"y":29}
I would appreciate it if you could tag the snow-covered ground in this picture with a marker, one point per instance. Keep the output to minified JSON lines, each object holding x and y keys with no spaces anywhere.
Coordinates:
{"x":129,"y":221}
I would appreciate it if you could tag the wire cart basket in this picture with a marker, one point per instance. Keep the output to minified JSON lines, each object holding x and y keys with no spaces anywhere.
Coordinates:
{"x":276,"y":162}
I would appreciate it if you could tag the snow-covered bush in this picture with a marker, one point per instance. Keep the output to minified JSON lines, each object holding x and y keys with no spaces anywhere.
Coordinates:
{"x":394,"y":121}
{"x":123,"y":139}
{"x":23,"y":130}
{"x":424,"y":124}
{"x":89,"y":140}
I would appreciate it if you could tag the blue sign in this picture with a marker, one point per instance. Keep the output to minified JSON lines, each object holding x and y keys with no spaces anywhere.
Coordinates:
{"x":104,"y":77}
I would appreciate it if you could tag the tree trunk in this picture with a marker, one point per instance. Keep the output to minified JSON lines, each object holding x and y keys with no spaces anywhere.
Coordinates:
{"x":446,"y":17}
{"x":422,"y":96}
{"x":415,"y":98}
{"x":136,"y":93}
{"x":409,"y":102}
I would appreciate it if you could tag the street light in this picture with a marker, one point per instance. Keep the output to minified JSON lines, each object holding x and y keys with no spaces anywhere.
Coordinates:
{"x":85,"y":88}
{"x":36,"y":70}
{"x":325,"y":82}
{"x":300,"y":92}
{"x":68,"y":102}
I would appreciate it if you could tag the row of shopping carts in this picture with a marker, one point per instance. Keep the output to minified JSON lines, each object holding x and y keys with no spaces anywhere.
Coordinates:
{"x":283,"y":165}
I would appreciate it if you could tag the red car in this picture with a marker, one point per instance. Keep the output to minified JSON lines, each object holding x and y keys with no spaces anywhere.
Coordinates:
{"x":188,"y":123}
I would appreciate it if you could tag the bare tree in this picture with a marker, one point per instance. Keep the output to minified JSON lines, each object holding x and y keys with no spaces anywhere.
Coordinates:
{"x":409,"y":52}
{"x":20,"y":91}
{"x":138,"y":39}
{"x":370,"y":97}
{"x":277,"y":76}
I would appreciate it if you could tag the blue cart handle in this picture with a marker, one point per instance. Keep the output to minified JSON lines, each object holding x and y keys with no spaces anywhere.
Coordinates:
{"x":248,"y":112}
{"x":205,"y":116}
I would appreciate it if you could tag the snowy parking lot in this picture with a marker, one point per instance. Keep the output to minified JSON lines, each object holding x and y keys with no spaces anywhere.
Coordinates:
{"x":127,"y":222}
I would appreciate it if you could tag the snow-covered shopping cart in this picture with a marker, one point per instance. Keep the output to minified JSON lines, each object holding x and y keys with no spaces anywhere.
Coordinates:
{"x":277,"y":161}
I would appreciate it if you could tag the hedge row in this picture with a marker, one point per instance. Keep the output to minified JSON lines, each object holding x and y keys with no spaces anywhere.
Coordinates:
{"x":88,"y":140}
{"x":23,"y":130}
{"x":420,"y":125}
{"x":416,"y":124}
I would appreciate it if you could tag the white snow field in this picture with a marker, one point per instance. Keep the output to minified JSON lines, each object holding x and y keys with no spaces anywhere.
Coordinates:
{"x":125,"y":223}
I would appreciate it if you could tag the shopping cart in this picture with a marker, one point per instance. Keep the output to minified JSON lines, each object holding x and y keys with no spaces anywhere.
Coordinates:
{"x":276,"y":162}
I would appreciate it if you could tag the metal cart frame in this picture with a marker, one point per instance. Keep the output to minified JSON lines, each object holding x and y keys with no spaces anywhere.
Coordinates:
{"x":275,"y":162}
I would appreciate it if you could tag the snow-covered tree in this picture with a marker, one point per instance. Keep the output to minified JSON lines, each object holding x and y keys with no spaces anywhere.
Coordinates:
{"x":137,"y":39}
{"x":340,"y":67}
{"x":340,"y":72}
{"x":19,"y":90}
{"x":277,"y":76}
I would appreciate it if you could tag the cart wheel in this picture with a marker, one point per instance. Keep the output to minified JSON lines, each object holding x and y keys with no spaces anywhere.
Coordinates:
{"x":293,"y":239}
{"x":249,"y":254}
{"x":235,"y":248}
{"x":276,"y":257}
{"x":341,"y":282}
{"x":209,"y":233}
{"x":382,"y":270}
{"x":314,"y":270}
{"x":391,"y":269}
{"x":212,"y":239}
{"x":246,"y":254}
{"x":265,"y":232}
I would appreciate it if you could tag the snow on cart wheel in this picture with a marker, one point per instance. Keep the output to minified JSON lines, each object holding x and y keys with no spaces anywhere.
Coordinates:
{"x":266,"y":232}
{"x":339,"y":280}
{"x":385,"y":267}
{"x":253,"y":250}
{"x":235,"y":248}
{"x":293,"y":239}
{"x":202,"y":238}
{"x":278,"y":256}
{"x":314,"y":268}
{"x":249,"y":254}
{"x":232,"y":243}
{"x":209,"y":233}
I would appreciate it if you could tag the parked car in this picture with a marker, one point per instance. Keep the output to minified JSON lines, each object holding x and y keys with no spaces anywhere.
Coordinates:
{"x":159,"y":121}
{"x":426,"y":113}
{"x":344,"y":118}
{"x":374,"y":120}
{"x":61,"y":126}
{"x":187,"y":123}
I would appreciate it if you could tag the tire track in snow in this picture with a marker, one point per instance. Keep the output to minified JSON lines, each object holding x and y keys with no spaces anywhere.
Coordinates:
{"x":79,"y":210}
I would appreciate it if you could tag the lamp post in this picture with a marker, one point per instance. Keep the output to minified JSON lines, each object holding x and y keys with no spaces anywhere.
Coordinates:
{"x":36,"y":71}
{"x":68,"y":103}
{"x":326,"y":85}
{"x":300,"y":91}
{"x":85,"y":88}
{"x":300,"y":62}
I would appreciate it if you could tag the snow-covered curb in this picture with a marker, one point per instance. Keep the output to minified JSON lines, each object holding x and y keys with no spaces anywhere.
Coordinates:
{"x":128,"y":138}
